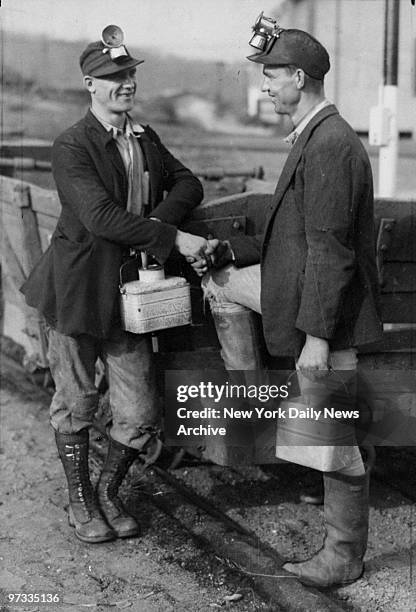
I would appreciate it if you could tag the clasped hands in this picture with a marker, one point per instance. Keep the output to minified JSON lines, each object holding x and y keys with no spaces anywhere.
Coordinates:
{"x":201,"y":253}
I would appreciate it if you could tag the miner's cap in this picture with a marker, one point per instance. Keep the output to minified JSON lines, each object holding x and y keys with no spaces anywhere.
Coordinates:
{"x":298,"y":48}
{"x":97,"y":63}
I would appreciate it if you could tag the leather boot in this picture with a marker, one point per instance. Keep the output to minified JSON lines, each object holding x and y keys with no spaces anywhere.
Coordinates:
{"x":118,"y":461}
{"x":340,"y":560}
{"x":84,"y":514}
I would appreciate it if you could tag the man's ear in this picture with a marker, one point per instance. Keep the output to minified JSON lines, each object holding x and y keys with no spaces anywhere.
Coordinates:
{"x":300,"y":78}
{"x":89,"y":83}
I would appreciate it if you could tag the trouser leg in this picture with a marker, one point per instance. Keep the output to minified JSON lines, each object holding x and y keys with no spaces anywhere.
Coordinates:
{"x":135,"y":424}
{"x":133,"y":394}
{"x":72,"y":363}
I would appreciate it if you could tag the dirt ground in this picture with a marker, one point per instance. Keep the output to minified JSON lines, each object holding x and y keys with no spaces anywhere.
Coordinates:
{"x":167,"y":569}
{"x":161,"y":571}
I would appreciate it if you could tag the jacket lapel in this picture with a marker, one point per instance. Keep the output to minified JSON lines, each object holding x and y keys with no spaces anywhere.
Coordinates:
{"x":296,"y":153}
{"x":105,"y":139}
{"x":153,"y":164}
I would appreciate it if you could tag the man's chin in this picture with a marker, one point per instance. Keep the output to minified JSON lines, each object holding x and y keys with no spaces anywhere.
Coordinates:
{"x":277,"y":108}
{"x":125,"y":107}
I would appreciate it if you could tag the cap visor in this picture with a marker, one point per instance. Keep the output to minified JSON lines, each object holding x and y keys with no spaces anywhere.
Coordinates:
{"x":116,"y":67}
{"x":257,"y":57}
{"x":268,"y":58}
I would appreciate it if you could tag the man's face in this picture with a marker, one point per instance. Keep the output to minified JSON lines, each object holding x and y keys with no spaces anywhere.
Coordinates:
{"x":115,"y":92}
{"x":282,"y":88}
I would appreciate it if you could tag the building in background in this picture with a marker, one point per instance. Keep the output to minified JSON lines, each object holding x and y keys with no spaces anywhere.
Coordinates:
{"x":353,"y":33}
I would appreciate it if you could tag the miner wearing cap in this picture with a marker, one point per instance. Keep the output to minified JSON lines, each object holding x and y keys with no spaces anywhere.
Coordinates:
{"x":119,"y":189}
{"x":312,"y":276}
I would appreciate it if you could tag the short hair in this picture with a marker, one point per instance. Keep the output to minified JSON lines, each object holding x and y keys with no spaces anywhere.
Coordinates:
{"x":311,"y":82}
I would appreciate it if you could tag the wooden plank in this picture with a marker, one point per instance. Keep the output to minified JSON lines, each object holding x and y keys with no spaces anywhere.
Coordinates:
{"x":12,"y":221}
{"x":19,"y":324}
{"x":399,"y":277}
{"x":10,"y":293}
{"x":12,"y":214}
{"x":403,"y":244}
{"x":30,"y":236}
{"x":45,"y":237}
{"x":11,"y":263}
{"x":45,"y":201}
{"x":221,"y":228}
{"x":12,"y":225}
{"x":29,"y":246}
{"x":37,"y":150}
{"x":394,"y":341}
{"x":46,"y":222}
{"x":392,"y":207}
{"x":238,"y":204}
{"x":7,"y":186}
{"x":398,"y":307}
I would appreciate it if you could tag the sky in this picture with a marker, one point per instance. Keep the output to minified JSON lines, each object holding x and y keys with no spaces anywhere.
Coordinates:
{"x":204,"y":29}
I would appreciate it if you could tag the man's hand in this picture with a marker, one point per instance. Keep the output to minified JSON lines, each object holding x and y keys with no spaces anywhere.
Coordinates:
{"x":190,"y":246}
{"x":217,"y":255}
{"x":313,"y":360}
{"x":222,"y":255}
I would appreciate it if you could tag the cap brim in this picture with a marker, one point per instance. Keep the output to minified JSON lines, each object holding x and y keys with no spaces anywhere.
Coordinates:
{"x":267,"y":58}
{"x":116,"y":67}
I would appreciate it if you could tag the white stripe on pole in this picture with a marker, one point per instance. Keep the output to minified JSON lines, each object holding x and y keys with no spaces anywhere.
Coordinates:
{"x":388,"y":154}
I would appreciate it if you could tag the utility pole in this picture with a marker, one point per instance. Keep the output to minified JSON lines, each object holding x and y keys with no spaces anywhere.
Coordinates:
{"x":383,"y":119}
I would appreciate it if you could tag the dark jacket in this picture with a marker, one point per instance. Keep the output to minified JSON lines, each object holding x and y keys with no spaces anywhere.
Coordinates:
{"x":75,"y":283}
{"x":317,"y":254}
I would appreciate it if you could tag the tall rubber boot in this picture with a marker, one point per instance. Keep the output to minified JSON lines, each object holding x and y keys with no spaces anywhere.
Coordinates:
{"x":118,"y":461}
{"x":340,"y":560}
{"x":241,"y":350}
{"x":84,"y":514}
{"x":240,"y":340}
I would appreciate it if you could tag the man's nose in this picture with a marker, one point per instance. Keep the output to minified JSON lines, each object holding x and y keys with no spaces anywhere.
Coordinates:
{"x":265,"y":86}
{"x":129,"y":81}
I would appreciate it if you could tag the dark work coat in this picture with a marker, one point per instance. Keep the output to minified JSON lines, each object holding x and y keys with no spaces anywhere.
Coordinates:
{"x":318,"y":269}
{"x":75,"y":283}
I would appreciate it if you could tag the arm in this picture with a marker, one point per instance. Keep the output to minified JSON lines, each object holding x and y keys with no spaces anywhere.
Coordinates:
{"x":220,"y":253}
{"x":246,"y":249}
{"x":81,"y":189}
{"x":184,"y":190}
{"x":333,"y":179}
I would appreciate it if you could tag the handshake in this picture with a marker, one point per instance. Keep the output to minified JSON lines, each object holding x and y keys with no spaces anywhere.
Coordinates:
{"x":203,"y":254}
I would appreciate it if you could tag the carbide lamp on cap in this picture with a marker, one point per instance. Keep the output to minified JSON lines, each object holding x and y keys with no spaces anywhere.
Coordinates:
{"x":265,"y":31}
{"x":112,"y":37}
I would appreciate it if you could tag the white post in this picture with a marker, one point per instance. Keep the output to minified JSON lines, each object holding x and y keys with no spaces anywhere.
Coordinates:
{"x":389,"y":149}
{"x":388,"y":154}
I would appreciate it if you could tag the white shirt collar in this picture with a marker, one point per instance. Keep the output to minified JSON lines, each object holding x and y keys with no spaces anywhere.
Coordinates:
{"x":291,"y":138}
{"x":130,"y":128}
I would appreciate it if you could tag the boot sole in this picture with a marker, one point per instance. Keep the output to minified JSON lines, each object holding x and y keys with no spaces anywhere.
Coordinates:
{"x":91,"y":540}
{"x":335,"y":585}
{"x":96,"y":540}
{"x":128,"y":534}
